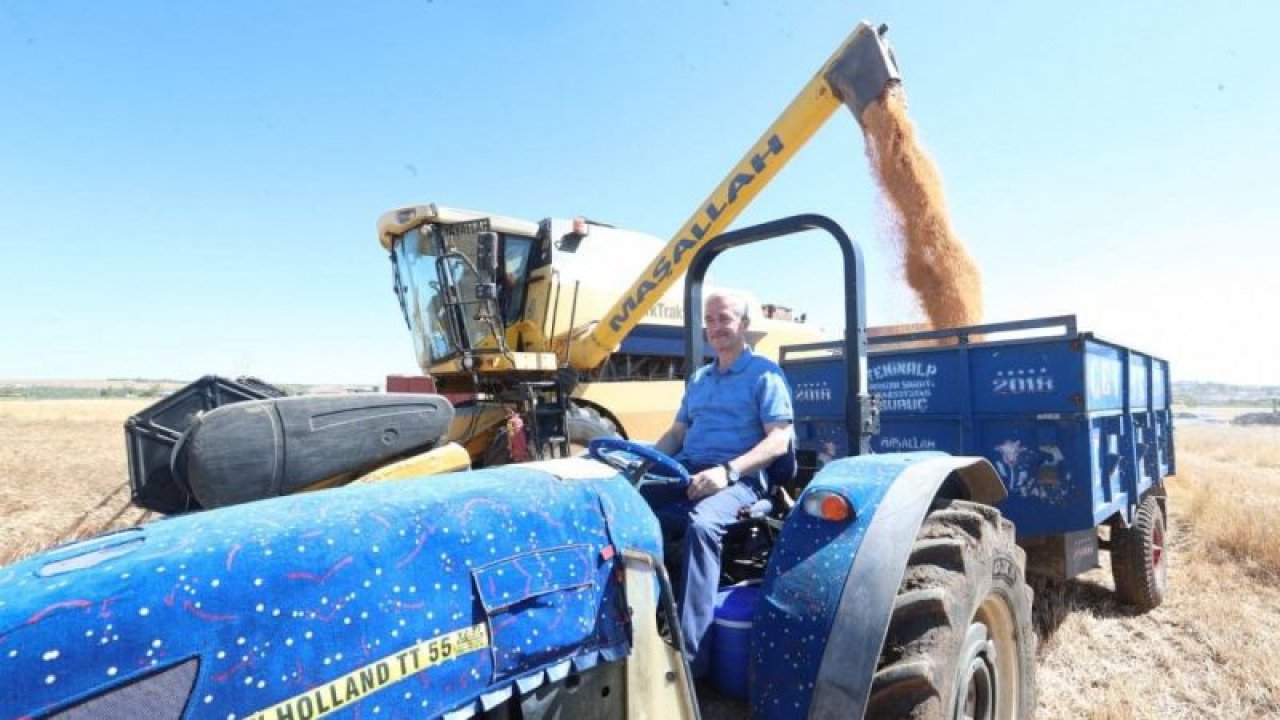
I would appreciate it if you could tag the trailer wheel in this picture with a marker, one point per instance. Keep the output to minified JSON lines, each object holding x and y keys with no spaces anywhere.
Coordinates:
{"x":960,"y":644}
{"x":1139,"y":563}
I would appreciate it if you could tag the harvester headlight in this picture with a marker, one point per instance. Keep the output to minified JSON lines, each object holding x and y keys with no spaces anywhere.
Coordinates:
{"x":828,"y":505}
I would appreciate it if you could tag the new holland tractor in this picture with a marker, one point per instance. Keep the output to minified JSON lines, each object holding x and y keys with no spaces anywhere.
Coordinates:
{"x":892,"y":589}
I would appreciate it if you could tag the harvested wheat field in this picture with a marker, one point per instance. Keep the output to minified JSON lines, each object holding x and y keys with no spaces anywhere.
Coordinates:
{"x":63,"y":472}
{"x":1209,"y":651}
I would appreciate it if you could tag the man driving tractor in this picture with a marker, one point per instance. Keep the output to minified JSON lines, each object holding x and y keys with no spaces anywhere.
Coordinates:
{"x":734,"y":422}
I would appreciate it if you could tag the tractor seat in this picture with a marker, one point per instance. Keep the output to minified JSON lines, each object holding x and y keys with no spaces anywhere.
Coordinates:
{"x":784,"y":468}
{"x":777,"y":475}
{"x":747,"y":543}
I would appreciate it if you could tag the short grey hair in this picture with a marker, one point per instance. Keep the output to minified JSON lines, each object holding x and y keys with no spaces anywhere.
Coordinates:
{"x":733,"y":299}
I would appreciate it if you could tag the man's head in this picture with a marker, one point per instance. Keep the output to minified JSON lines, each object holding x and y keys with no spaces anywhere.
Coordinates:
{"x":725,"y":317}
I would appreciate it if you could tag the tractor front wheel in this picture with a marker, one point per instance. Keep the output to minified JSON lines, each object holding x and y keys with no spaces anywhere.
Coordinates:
{"x":960,"y":644}
{"x":585,"y":424}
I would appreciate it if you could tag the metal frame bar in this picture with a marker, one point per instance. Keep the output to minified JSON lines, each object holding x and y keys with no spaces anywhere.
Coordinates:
{"x":854,"y":344}
{"x":962,"y":335}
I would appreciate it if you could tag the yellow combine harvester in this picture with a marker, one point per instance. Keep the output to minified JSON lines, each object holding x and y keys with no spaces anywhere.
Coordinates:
{"x":543,"y":335}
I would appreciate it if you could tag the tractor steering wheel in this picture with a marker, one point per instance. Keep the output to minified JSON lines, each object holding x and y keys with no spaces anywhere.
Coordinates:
{"x":637,"y":462}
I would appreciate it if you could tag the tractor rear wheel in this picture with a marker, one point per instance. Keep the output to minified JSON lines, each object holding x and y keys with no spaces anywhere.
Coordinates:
{"x":1139,"y":563}
{"x":960,"y":644}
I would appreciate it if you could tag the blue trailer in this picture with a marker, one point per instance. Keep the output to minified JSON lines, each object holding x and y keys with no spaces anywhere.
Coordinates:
{"x":1079,"y":429}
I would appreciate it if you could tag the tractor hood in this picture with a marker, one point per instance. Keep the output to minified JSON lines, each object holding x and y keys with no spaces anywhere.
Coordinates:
{"x":421,"y":597}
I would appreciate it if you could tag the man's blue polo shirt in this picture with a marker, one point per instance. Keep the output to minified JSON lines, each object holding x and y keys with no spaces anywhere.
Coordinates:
{"x":726,"y":411}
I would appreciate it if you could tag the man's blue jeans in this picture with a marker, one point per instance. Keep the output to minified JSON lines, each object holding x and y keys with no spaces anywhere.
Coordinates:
{"x":702,"y":525}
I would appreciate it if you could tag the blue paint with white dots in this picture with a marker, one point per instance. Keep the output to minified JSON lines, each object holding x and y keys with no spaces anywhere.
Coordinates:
{"x":293,"y":599}
{"x":276,"y":597}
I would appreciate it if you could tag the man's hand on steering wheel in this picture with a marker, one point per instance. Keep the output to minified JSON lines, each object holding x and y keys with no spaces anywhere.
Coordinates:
{"x":708,"y":482}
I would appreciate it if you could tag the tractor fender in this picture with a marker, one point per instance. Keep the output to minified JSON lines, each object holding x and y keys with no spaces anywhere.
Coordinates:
{"x":828,"y":596}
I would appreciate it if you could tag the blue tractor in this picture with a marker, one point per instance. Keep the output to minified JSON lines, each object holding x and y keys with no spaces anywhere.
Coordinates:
{"x":893,"y":588}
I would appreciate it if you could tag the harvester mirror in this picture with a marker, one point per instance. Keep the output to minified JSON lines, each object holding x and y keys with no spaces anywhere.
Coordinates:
{"x":488,"y":250}
{"x":488,"y":258}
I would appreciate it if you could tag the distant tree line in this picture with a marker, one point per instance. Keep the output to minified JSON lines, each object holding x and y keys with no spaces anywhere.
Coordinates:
{"x":131,"y":389}
{"x":54,"y":392}
{"x":1196,"y":394}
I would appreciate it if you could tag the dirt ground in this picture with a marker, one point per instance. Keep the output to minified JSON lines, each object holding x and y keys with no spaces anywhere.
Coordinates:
{"x":1209,"y":651}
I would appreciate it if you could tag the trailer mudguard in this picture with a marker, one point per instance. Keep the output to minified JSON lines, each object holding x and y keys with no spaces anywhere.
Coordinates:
{"x":439,"y":596}
{"x":827,"y":597}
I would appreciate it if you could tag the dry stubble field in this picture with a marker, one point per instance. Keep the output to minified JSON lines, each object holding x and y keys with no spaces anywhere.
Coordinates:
{"x":1209,"y":652}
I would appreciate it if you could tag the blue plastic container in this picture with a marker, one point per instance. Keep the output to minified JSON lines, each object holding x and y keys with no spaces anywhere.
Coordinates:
{"x":730,"y":637}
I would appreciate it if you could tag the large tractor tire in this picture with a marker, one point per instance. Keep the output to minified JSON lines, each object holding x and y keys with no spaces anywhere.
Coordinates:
{"x":1139,"y":562}
{"x":585,"y":424}
{"x":960,"y":644}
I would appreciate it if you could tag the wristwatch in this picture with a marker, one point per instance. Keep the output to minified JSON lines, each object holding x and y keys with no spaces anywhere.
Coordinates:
{"x":730,"y":473}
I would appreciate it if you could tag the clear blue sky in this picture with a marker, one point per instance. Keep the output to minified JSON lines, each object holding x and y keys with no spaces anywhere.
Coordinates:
{"x":192,"y":188}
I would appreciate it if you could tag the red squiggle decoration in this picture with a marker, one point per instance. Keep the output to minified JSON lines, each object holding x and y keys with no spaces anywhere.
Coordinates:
{"x":208,"y":617}
{"x":303,"y":575}
{"x":105,"y":611}
{"x":417,"y":548}
{"x":82,"y":604}
{"x":328,"y":617}
{"x":225,"y":674}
